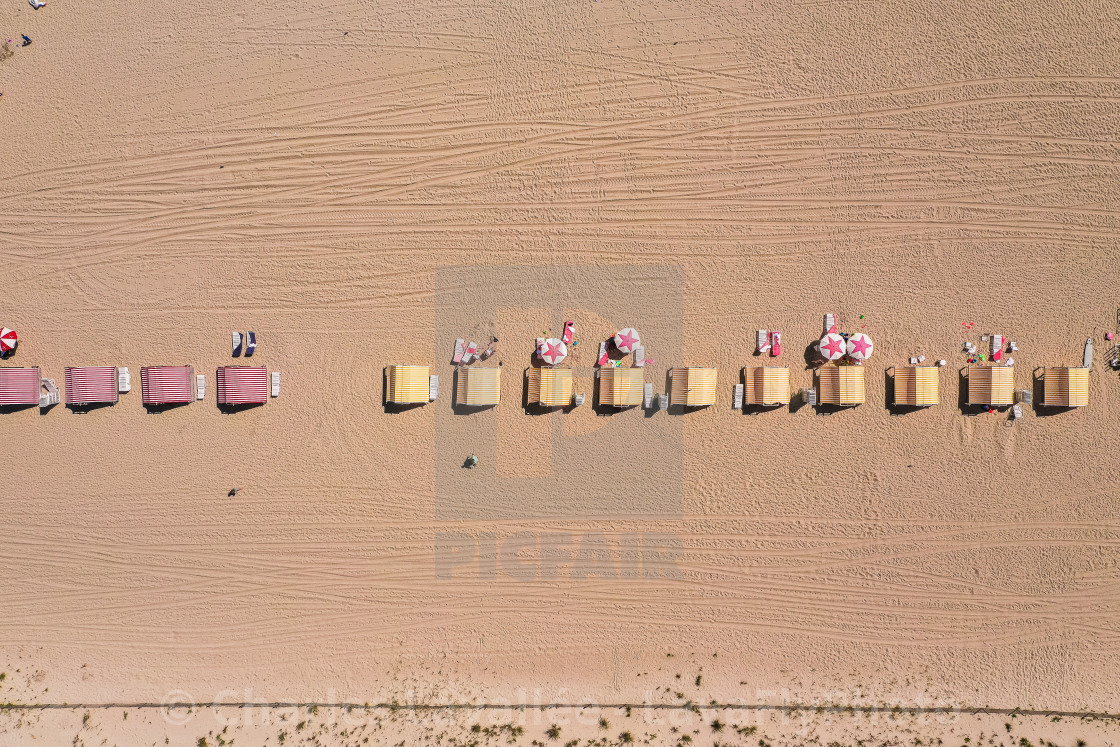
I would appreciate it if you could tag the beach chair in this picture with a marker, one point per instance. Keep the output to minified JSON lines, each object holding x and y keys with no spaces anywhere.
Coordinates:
{"x":766,"y":386}
{"x":275,"y":384}
{"x":604,"y":357}
{"x":763,"y":341}
{"x":647,"y":396}
{"x":407,"y":385}
{"x":639,"y":356}
{"x":460,"y":350}
{"x":251,"y":346}
{"x":200,"y":386}
{"x":693,"y":387}
{"x":124,"y":380}
{"x":1065,"y":387}
{"x":842,"y":386}
{"x":433,"y":388}
{"x":915,"y":386}
{"x":991,"y":386}
{"x":1024,"y":396}
{"x":236,"y":344}
{"x":620,"y":387}
{"x":663,"y":402}
{"x":810,"y":397}
{"x":997,"y":347}
{"x":51,"y":396}
{"x":829,"y":323}
{"x":577,"y":400}
{"x":478,"y":387}
{"x":1016,"y":412}
{"x":569,"y":332}
{"x":775,"y":344}
{"x":737,"y":400}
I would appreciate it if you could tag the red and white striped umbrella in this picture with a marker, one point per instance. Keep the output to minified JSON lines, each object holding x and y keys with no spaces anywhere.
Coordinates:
{"x":8,"y":339}
{"x":627,"y":339}
{"x":832,"y":346}
{"x":860,"y":346}
{"x":553,"y":351}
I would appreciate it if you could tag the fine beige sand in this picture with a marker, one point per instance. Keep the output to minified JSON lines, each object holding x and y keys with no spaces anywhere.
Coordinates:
{"x":363,"y":183}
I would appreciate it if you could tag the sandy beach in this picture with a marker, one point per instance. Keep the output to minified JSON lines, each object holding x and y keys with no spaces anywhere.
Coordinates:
{"x":364,"y":183}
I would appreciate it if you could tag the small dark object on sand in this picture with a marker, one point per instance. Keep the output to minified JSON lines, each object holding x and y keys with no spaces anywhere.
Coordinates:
{"x":471,"y":461}
{"x":26,"y":39}
{"x":234,"y":491}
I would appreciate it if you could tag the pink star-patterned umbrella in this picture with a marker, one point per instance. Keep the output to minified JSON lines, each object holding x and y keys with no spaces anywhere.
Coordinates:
{"x":8,"y":339}
{"x":832,"y":346}
{"x":626,"y":340}
{"x":553,"y":351}
{"x":860,"y":346}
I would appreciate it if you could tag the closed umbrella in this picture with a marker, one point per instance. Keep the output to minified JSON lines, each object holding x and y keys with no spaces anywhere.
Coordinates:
{"x":832,"y":346}
{"x":860,"y":346}
{"x":553,"y":351}
{"x":626,"y":340}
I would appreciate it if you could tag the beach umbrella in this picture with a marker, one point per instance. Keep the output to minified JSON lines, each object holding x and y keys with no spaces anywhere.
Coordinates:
{"x":832,"y":346}
{"x":860,"y":346}
{"x":626,"y":340}
{"x":8,"y":339}
{"x":553,"y":351}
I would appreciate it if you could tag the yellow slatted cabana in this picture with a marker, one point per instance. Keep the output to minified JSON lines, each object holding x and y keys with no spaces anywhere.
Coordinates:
{"x":766,"y":385}
{"x":915,"y":386}
{"x":478,"y":387}
{"x":842,"y":385}
{"x":550,"y":387}
{"x":621,"y":387}
{"x":694,"y":387}
{"x":406,"y":385}
{"x":991,"y":385}
{"x":1065,"y":387}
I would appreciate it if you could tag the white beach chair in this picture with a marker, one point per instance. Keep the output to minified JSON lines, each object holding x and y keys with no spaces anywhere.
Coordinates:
{"x":460,"y":349}
{"x":124,"y":380}
{"x":275,"y":383}
{"x":603,"y":357}
{"x":738,"y":397}
{"x":647,"y":401}
{"x":578,"y":400}
{"x":663,"y":401}
{"x":829,"y":323}
{"x":763,"y":341}
{"x":51,"y":396}
{"x":639,"y":356}
{"x":433,"y":388}
{"x":1016,"y":412}
{"x":200,"y":386}
{"x":236,"y":339}
{"x":996,"y":347}
{"x":811,"y":397}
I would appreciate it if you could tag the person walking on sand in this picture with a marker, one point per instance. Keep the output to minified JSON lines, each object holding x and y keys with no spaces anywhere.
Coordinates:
{"x":234,"y":491}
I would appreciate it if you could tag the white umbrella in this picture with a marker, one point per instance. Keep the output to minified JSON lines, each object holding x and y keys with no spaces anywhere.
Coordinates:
{"x":832,"y":346}
{"x":627,"y":339}
{"x":860,"y":346}
{"x":553,"y":351}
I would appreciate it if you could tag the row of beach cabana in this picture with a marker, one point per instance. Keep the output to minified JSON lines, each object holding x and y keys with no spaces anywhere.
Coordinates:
{"x":762,"y":386}
{"x":160,"y":386}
